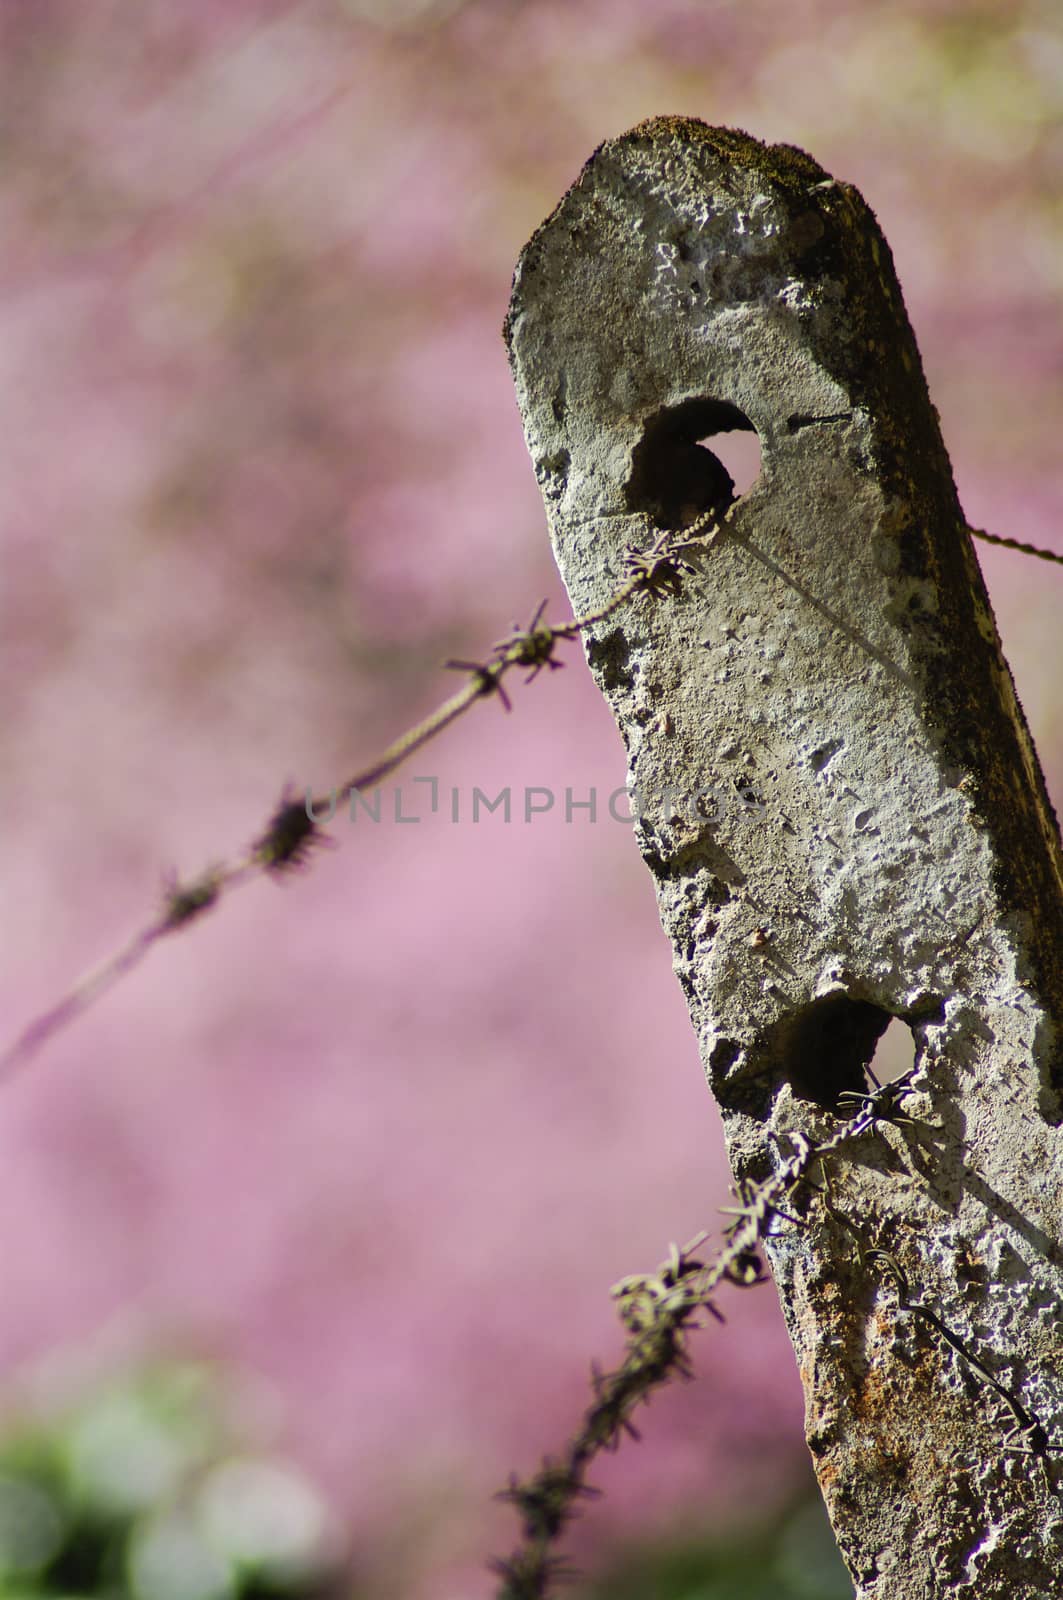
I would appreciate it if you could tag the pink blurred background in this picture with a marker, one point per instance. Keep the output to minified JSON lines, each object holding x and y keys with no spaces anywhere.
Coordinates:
{"x":383,"y":1136}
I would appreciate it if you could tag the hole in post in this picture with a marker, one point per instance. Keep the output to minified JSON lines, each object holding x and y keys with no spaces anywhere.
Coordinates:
{"x":826,"y":1048}
{"x":695,"y":457}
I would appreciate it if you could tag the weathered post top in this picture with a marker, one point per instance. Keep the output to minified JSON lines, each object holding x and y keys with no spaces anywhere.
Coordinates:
{"x":837,"y":795}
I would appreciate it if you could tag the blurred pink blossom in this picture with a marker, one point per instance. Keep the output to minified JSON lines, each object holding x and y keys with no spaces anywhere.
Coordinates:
{"x":385,"y":1135}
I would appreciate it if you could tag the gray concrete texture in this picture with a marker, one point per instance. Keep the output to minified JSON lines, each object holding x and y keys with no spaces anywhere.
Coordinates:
{"x":840,"y":805}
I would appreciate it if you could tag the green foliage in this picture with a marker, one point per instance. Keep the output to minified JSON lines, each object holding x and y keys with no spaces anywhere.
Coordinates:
{"x":140,"y":1490}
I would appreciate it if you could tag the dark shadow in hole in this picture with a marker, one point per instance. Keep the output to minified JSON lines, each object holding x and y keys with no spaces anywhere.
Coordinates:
{"x":674,"y":478}
{"x":824,"y":1050}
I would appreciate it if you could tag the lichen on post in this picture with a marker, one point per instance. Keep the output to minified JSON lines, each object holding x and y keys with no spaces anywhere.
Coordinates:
{"x":838,"y":798}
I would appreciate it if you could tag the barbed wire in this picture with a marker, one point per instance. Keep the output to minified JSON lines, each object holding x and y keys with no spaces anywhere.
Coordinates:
{"x":295,"y":830}
{"x":1016,"y":544}
{"x":659,"y":1309}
